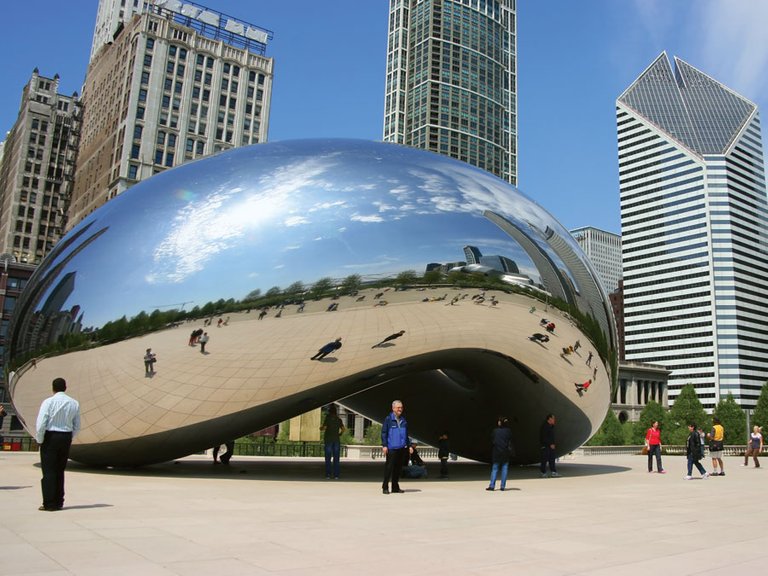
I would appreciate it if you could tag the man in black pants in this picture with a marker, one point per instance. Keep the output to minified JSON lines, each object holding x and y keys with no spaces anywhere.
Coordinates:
{"x":396,"y":445}
{"x":547,"y":440}
{"x":57,"y":423}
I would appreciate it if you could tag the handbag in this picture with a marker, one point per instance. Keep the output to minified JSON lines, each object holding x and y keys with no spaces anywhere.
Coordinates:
{"x":716,"y":446}
{"x":644,"y":450}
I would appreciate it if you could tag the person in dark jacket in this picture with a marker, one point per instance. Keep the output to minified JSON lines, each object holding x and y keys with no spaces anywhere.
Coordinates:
{"x":443,"y":452}
{"x":396,"y":445}
{"x":694,"y":452}
{"x":327,"y":349}
{"x":501,"y":452}
{"x":547,"y":442}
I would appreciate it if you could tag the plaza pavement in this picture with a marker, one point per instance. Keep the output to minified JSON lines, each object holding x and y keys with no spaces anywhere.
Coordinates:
{"x":259,"y":516}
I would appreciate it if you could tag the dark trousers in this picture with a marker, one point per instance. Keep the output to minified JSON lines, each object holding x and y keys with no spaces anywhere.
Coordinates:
{"x":54,"y":453}
{"x":394,"y":467}
{"x":227,"y":456}
{"x":547,"y":457}
{"x":654,"y":449}
{"x":444,"y":467}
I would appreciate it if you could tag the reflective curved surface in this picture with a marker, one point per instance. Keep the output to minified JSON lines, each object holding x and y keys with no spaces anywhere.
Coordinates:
{"x":286,"y":247}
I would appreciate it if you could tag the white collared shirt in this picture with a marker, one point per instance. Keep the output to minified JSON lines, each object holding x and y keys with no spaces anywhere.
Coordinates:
{"x":58,"y":413}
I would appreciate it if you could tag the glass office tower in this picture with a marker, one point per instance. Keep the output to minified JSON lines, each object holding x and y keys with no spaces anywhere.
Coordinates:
{"x":451,"y":80}
{"x":694,"y":224}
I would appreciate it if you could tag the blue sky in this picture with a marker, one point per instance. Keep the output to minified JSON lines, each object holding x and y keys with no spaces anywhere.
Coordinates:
{"x":574,"y":60}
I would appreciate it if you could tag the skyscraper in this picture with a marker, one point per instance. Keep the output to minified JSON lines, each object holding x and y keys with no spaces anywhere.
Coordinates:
{"x":168,"y":81}
{"x":36,"y":170}
{"x":694,"y":221}
{"x":451,"y":82}
{"x":604,"y":252}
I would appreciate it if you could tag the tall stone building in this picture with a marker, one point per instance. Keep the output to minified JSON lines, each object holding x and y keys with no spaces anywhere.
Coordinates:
{"x":451,"y":83}
{"x":173,"y":81}
{"x":37,"y":168}
{"x":694,"y":219}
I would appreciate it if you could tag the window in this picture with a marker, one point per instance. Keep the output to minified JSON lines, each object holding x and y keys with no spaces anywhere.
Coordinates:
{"x":147,"y":59}
{"x":159,"y":156}
{"x":135,"y":150}
{"x":140,"y":113}
{"x":133,"y":171}
{"x":171,"y":140}
{"x":169,"y":159}
{"x":142,"y":95}
{"x":200,"y":146}
{"x":172,"y":50}
{"x":161,"y":137}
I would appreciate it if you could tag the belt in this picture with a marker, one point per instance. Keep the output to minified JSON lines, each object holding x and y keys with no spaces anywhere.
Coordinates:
{"x":57,"y":432}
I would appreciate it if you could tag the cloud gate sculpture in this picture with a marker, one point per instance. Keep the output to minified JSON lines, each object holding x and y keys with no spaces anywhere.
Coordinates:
{"x":278,"y":249}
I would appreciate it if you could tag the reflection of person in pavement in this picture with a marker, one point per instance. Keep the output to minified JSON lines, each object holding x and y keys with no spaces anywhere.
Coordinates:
{"x":389,"y":338}
{"x":417,"y":467}
{"x":327,"y":349}
{"x":538,"y":337}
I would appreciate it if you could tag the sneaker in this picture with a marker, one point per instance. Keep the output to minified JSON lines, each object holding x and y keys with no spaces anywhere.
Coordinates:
{"x":688,"y":477}
{"x":662,"y":471}
{"x":722,"y":474}
{"x":744,"y":465}
{"x":490,"y":488}
{"x":555,"y":475}
{"x":545,"y":475}
{"x":705,"y":475}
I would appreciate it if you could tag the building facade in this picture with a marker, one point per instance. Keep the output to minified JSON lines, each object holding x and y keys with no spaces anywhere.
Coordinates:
{"x":694,"y":221}
{"x":37,"y":168}
{"x":604,"y":252}
{"x":176,"y":82}
{"x":451,"y":84}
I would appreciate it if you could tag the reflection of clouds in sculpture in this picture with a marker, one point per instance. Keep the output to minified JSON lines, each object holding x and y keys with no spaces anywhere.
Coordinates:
{"x":257,"y":220}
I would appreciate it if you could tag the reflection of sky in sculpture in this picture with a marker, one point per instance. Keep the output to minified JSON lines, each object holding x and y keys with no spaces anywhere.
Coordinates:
{"x":273,"y":214}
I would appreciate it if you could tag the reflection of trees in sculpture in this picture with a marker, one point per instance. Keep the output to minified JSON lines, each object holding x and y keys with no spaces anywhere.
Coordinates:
{"x":322,"y":286}
{"x":351,"y":284}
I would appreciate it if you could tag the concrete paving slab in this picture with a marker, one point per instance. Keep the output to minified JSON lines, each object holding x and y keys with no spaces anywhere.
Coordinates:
{"x":263,"y":516}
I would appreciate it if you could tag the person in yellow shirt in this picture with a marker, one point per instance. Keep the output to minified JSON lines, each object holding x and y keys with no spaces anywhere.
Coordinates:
{"x":716,"y":446}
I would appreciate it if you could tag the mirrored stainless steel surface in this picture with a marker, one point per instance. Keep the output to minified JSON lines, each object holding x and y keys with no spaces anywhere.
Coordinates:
{"x":286,"y":247}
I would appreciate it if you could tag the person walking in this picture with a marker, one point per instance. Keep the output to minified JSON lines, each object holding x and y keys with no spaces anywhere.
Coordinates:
{"x":501,"y":452}
{"x":58,"y":422}
{"x":332,"y":429}
{"x":755,"y":446}
{"x":396,"y":445}
{"x":327,"y":349}
{"x":716,"y":437}
{"x":694,"y":452}
{"x":389,"y":338}
{"x":443,"y":452}
{"x":653,"y":444}
{"x":149,"y":363}
{"x":547,"y":441}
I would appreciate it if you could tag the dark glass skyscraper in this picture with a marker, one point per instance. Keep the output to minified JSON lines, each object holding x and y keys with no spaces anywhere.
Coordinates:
{"x":451,"y":80}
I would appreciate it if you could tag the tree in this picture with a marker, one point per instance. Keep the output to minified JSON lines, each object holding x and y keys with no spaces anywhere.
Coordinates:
{"x":733,"y":419}
{"x":322,"y":286}
{"x":433,"y":276}
{"x":351,"y":284}
{"x":686,"y":409}
{"x":653,"y":412}
{"x":610,"y":433}
{"x":274,"y":291}
{"x":406,"y":277}
{"x":760,"y":413}
{"x":295,"y":288}
{"x":253,"y":295}
{"x":373,"y":435}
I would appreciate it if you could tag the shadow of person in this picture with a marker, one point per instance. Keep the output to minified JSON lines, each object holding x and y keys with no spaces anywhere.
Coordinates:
{"x":328,"y":359}
{"x":85,"y":506}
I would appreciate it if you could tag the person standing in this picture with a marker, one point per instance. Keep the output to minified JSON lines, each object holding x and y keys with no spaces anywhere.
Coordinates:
{"x":547,"y":441}
{"x":227,"y":456}
{"x":58,"y":422}
{"x":653,"y":444}
{"x":501,"y":452}
{"x":443,"y":452}
{"x":755,"y":447}
{"x":203,"y":341}
{"x":149,"y":363}
{"x":332,"y":429}
{"x":396,"y":445}
{"x":716,"y":437}
{"x":694,"y":452}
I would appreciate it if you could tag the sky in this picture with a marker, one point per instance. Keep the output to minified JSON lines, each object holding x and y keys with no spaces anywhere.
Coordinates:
{"x":574,"y":60}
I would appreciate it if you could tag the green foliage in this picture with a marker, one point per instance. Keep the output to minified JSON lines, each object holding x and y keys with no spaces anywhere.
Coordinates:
{"x":347,"y":437}
{"x":272,"y":292}
{"x":733,"y":419}
{"x":406,"y":277}
{"x":253,"y":295}
{"x":351,"y":283}
{"x":295,"y":288}
{"x":629,"y":432}
{"x":610,"y":433}
{"x":433,"y":276}
{"x":373,"y":435}
{"x":322,"y":286}
{"x":686,"y":409}
{"x":284,"y":431}
{"x":760,"y":413}
{"x":652,"y":412}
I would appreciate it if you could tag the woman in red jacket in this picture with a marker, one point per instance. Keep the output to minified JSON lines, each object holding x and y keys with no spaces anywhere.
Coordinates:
{"x":653,"y":444}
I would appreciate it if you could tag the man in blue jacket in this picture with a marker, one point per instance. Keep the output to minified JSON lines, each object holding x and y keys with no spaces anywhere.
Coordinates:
{"x":396,"y":445}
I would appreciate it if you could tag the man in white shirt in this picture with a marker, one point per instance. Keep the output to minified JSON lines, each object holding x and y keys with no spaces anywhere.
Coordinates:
{"x":57,"y":423}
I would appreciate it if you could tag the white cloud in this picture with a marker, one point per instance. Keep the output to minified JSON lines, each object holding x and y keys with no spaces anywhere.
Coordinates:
{"x":366,"y":218}
{"x":296,"y":221}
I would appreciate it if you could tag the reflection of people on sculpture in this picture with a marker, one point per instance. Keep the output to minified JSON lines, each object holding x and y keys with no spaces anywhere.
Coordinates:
{"x":262,"y":313}
{"x":327,"y":349}
{"x":332,"y":429}
{"x":396,"y":445}
{"x":149,"y":362}
{"x":589,"y":359}
{"x":301,"y":307}
{"x":203,"y":341}
{"x":416,"y":468}
{"x":332,"y":307}
{"x":550,"y":327}
{"x":227,"y":456}
{"x":582,"y":387}
{"x":389,"y":338}
{"x":443,"y":452}
{"x":538,"y":337}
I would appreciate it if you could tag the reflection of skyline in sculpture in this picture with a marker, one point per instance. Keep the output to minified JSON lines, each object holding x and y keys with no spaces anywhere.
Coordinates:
{"x":297,"y":212}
